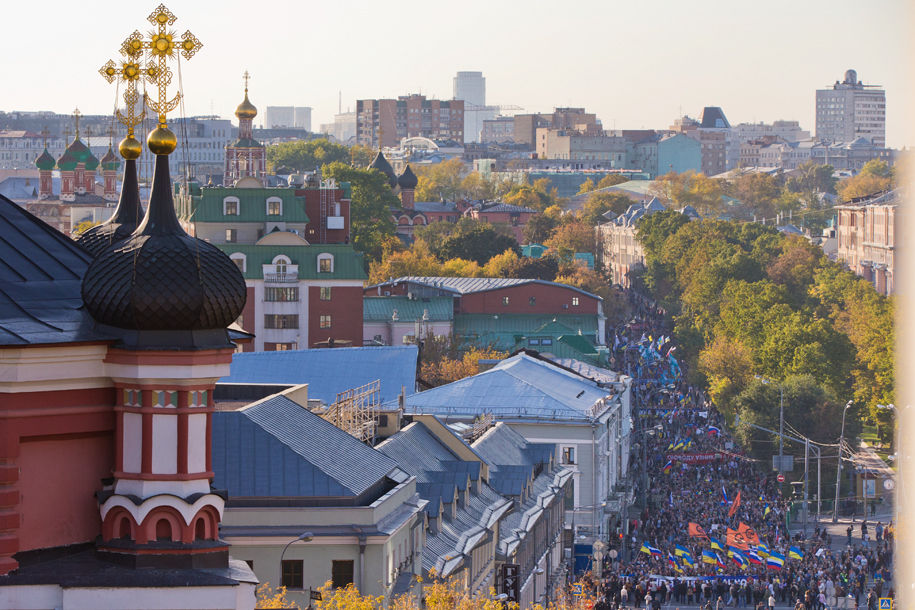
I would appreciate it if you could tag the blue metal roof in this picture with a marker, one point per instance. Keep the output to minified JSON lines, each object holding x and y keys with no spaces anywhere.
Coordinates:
{"x":520,"y":387}
{"x":277,"y":448}
{"x":41,"y":271}
{"x":329,"y":371}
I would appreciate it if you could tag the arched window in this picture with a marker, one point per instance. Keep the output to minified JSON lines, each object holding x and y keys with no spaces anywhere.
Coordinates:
{"x":274,"y":206}
{"x":163,"y":530}
{"x":231,"y":206}
{"x":325,"y":263}
{"x":240,"y":260}
{"x":280,"y":263}
{"x":200,"y":529}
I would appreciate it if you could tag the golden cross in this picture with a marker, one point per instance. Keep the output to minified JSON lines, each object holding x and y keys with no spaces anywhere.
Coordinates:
{"x":89,"y":136}
{"x":66,"y":135}
{"x":76,"y":116}
{"x":129,"y":71}
{"x":247,"y":77}
{"x":44,"y":135}
{"x":161,"y":47}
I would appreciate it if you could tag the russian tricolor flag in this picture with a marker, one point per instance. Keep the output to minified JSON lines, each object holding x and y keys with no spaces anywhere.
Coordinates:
{"x":714,"y":430}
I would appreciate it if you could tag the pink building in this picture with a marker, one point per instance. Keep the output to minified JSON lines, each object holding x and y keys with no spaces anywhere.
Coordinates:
{"x":866,"y":233}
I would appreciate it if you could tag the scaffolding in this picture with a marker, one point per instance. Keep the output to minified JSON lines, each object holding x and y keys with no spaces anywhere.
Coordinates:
{"x":354,"y":411}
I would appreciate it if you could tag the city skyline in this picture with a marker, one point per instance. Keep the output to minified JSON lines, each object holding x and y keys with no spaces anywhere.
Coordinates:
{"x":756,"y":65}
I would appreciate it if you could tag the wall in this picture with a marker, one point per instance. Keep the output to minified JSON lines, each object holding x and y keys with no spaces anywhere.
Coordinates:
{"x":548,"y":299}
{"x":345,"y":309}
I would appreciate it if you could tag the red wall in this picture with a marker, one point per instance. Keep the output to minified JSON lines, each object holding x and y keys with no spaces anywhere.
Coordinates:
{"x":548,"y":300}
{"x":345,"y":309}
{"x":248,"y":314}
{"x":313,"y":209}
{"x":57,"y":481}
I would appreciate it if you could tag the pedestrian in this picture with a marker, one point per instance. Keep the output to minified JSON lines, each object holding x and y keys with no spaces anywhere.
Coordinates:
{"x":772,"y":601}
{"x":849,"y":532}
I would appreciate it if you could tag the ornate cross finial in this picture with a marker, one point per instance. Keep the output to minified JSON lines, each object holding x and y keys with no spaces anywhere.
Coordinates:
{"x":76,"y":116}
{"x":44,"y":135}
{"x":89,"y":136}
{"x":67,"y":133}
{"x":128,"y":71}
{"x":161,"y":47}
{"x":247,"y":77}
{"x":110,"y":133}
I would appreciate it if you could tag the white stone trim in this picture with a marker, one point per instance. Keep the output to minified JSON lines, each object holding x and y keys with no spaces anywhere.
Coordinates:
{"x":187,"y":511}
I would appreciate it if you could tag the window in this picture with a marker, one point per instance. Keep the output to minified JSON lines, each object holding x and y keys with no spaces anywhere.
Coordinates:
{"x":532,"y":300}
{"x":325,"y":263}
{"x":546,"y":341}
{"x":281,"y":321}
{"x":281,"y":295}
{"x":568,"y":455}
{"x":574,"y":301}
{"x":292,"y":573}
{"x":239,"y":259}
{"x":533,"y":341}
{"x":505,"y":300}
{"x":325,"y":321}
{"x":341,"y":573}
{"x":230,"y":206}
{"x":274,"y":206}
{"x":231,"y":236}
{"x":325,"y":293}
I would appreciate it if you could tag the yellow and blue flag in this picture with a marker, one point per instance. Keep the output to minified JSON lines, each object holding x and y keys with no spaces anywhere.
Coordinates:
{"x":795,"y":553}
{"x":715,"y":544}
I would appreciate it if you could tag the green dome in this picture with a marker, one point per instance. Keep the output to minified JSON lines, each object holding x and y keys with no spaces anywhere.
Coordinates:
{"x":110,"y":160}
{"x":67,"y":161}
{"x":80,"y":152}
{"x":45,"y":161}
{"x":91,"y":161}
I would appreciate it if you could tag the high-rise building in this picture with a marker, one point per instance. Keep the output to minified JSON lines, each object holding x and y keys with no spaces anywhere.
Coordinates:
{"x":851,"y":110}
{"x":384,"y":122}
{"x":288,"y":117}
{"x":470,"y":87}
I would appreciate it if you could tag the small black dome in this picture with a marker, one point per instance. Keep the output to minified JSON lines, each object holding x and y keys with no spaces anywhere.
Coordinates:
{"x":407,"y":179}
{"x":162,"y":279}
{"x":382,"y":165}
{"x":123,"y":222}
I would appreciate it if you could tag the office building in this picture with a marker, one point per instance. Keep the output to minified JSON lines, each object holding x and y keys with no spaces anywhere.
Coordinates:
{"x":288,"y":117}
{"x":384,"y":122}
{"x":851,"y":110}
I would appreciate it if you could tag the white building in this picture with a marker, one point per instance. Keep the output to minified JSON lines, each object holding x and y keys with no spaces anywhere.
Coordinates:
{"x":471,"y":87}
{"x":851,"y":110}
{"x":288,"y":117}
{"x":343,"y":129}
{"x":790,"y":131}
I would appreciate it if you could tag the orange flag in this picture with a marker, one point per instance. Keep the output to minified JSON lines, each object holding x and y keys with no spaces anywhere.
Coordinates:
{"x":734,"y":505}
{"x":737,"y":540}
{"x":748,"y":533}
{"x":697,"y":530}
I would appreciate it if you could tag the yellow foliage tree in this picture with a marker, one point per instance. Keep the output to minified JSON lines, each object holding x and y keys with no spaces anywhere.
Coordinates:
{"x":417,"y":260}
{"x":268,"y":598}
{"x":459,"y":267}
{"x":586,"y":187}
{"x":446,"y":369}
{"x":501,"y":265}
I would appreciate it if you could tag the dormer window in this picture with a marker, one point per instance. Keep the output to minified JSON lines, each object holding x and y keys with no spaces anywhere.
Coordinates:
{"x":274,"y":206}
{"x":239,"y":259}
{"x":231,"y":206}
{"x":325,"y":263}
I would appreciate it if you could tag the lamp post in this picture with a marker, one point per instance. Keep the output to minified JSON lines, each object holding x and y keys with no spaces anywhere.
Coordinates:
{"x":835,"y":508}
{"x":304,"y":537}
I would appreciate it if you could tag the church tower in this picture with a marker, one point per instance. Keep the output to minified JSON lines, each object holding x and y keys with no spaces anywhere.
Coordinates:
{"x":168,"y":298}
{"x":246,"y":156}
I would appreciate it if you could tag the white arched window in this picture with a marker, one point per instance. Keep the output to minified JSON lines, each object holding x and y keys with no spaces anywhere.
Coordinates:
{"x":280,"y":262}
{"x":325,"y":263}
{"x":274,"y":206}
{"x":240,"y":260}
{"x":231,"y":206}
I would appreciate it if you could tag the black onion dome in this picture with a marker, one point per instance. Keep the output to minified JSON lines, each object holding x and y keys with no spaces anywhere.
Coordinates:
{"x":382,"y":165}
{"x":123,"y":222}
{"x":407,"y":179}
{"x":162,"y":279}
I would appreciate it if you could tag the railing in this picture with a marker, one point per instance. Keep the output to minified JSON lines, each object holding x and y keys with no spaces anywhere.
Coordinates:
{"x":282,"y":278}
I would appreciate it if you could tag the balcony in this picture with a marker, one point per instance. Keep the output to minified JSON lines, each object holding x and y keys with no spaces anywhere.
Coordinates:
{"x":281,"y":274}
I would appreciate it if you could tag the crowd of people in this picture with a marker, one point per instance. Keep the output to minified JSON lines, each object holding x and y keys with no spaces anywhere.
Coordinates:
{"x":701,"y":492}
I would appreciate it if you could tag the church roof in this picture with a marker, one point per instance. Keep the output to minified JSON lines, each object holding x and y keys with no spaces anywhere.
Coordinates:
{"x":382,"y":165}
{"x":407,"y":179}
{"x":45,"y":160}
{"x":40,"y":274}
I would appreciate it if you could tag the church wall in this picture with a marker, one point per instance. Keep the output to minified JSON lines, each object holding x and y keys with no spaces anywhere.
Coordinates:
{"x":57,"y":482}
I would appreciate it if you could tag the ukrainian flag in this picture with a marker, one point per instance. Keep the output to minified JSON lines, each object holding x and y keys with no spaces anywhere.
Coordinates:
{"x":775,"y":561}
{"x":709,"y":557}
{"x":679,"y":445}
{"x":645,"y":549}
{"x":680,"y":551}
{"x":767,"y":511}
{"x":715,"y":544}
{"x":688,"y":561}
{"x":763,"y":550}
{"x":795,"y":553}
{"x":674,"y":563}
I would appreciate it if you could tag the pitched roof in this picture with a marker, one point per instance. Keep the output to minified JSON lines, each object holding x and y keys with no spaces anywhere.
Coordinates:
{"x":408,"y":310}
{"x":277,"y":448}
{"x":469,"y":285}
{"x":329,"y":371}
{"x":41,"y":271}
{"x":506,"y":207}
{"x":520,"y":387}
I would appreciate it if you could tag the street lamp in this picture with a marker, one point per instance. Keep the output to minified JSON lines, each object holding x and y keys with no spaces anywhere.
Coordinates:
{"x":835,"y":508}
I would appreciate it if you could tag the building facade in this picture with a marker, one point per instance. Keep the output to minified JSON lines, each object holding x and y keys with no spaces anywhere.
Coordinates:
{"x":851,"y":110}
{"x":385,"y":122}
{"x":288,"y":117}
{"x":866,"y":239}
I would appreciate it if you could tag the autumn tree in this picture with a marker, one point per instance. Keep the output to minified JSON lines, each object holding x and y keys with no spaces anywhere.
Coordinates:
{"x":441,"y":181}
{"x":758,"y":192}
{"x":690,"y":188}
{"x":876,"y":176}
{"x":611,"y":180}
{"x":571,"y":237}
{"x":398,"y":262}
{"x":476,"y":242}
{"x":600,"y":202}
{"x":539,"y":227}
{"x":307,"y":156}
{"x":586,"y":187}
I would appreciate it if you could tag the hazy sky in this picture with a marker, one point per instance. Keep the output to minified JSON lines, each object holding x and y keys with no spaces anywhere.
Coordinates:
{"x":637,"y":64}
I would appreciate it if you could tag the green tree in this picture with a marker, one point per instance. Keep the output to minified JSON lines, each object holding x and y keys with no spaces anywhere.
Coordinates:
{"x":600,"y":202}
{"x":586,"y":187}
{"x":478,"y":243}
{"x":690,"y":188}
{"x":611,"y":180}
{"x":812,"y":177}
{"x":440,"y":182}
{"x":539,"y":227}
{"x":370,"y":213}
{"x":306,"y":156}
{"x":758,"y":192}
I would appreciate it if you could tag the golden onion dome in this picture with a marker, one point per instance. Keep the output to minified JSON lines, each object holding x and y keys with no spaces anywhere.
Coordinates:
{"x":130,"y":148}
{"x":246,"y":110}
{"x":161,"y":140}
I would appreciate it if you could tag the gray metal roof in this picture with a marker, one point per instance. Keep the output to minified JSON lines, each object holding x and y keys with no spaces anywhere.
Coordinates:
{"x":520,"y":387}
{"x":469,"y":285}
{"x":41,"y":271}
{"x":329,"y":371}
{"x":277,"y":448}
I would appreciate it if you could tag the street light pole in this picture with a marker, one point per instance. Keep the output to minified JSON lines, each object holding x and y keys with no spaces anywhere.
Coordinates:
{"x":304,"y":537}
{"x":835,"y":507}
{"x":781,"y":427}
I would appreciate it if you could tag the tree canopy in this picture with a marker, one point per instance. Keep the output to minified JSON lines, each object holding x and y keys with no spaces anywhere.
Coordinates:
{"x":306,"y":156}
